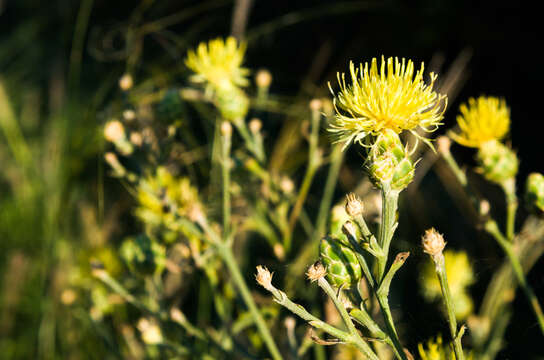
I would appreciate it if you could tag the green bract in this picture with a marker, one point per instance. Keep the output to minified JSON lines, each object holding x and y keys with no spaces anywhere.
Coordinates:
{"x":497,"y":162}
{"x":343,"y":269}
{"x":389,"y":164}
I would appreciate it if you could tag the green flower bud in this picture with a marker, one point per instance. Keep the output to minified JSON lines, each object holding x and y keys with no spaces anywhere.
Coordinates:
{"x":497,"y":162}
{"x":390,"y":166}
{"x":232,"y":104}
{"x":534,"y":192}
{"x":143,"y":256}
{"x":341,"y":263}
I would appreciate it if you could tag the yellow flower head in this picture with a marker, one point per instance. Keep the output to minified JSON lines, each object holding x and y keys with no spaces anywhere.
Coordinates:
{"x":219,"y":63}
{"x":484,"y":119}
{"x":390,"y":97}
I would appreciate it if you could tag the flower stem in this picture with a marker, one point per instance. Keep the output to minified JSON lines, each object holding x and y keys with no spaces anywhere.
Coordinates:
{"x":492,"y":228}
{"x":354,"y":334}
{"x":442,"y":277}
{"x":387,"y":228}
{"x":225,"y":172}
{"x":509,"y":188}
{"x":226,"y":254}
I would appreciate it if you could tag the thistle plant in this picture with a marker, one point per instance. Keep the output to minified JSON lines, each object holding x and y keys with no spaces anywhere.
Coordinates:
{"x":373,"y":110}
{"x":190,"y":226}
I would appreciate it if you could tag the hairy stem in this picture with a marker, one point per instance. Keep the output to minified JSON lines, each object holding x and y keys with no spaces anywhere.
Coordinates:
{"x":446,"y":294}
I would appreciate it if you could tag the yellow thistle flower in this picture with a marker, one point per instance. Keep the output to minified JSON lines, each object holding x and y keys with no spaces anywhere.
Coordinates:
{"x":390,"y":97}
{"x":219,"y":63}
{"x":482,"y":120}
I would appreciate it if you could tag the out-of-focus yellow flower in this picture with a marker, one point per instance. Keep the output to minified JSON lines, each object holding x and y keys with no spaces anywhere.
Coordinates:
{"x":390,"y":97}
{"x":219,"y":63}
{"x":482,"y":120}
{"x":460,"y":276}
{"x":162,"y":198}
{"x":436,"y":350}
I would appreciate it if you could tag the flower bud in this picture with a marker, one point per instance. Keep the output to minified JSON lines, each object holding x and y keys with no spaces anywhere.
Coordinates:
{"x":151,"y":332}
{"x":316,"y":104}
{"x":114,"y":131}
{"x":534,"y":192}
{"x":443,"y":144}
{"x":126,"y":82}
{"x":129,"y":115}
{"x":354,"y":206}
{"x":433,"y":243}
{"x":497,"y":162}
{"x":255,"y":125}
{"x":341,"y":264}
{"x":263,"y":78}
{"x":226,"y":128}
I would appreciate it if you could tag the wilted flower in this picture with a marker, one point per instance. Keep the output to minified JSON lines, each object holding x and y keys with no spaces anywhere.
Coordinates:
{"x":390,"y":97}
{"x":482,"y":120}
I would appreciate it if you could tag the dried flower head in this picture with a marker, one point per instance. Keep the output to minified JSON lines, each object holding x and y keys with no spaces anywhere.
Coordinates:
{"x":482,"y":120}
{"x":316,"y":271}
{"x":391,"y":97}
{"x":218,"y":62}
{"x":433,"y":243}
{"x":264,"y":278}
{"x":354,"y":206}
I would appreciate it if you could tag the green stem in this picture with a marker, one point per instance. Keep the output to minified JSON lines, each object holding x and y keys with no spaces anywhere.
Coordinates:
{"x":442,"y":277}
{"x":509,"y":188}
{"x":337,"y":156}
{"x":387,"y":228}
{"x":314,"y":160}
{"x":492,"y":228}
{"x":228,"y":258}
{"x":390,"y":324}
{"x":225,"y":172}
{"x":354,"y":334}
{"x":251,"y":145}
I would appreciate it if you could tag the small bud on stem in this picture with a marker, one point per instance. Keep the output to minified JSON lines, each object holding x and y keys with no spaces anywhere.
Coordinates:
{"x":433,"y":244}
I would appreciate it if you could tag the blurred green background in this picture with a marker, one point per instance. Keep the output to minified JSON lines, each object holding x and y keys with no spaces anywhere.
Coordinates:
{"x":60,"y":62}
